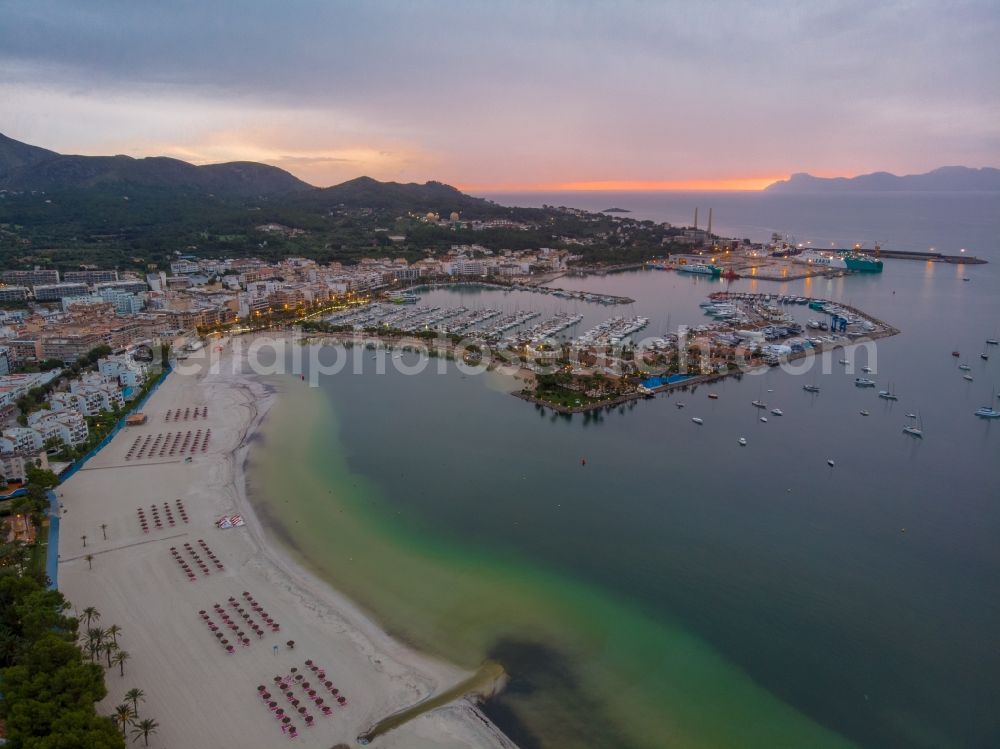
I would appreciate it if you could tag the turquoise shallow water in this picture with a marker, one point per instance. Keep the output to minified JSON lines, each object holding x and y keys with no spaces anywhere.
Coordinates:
{"x":680,"y":590}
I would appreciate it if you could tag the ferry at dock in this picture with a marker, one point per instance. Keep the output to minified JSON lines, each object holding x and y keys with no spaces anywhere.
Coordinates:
{"x":841,"y":260}
{"x":700,"y":269}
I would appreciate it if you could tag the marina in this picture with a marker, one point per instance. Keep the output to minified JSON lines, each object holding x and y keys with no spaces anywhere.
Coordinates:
{"x":752,"y":329}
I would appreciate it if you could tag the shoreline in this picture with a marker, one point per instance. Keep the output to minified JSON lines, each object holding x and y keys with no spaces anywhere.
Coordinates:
{"x":135,"y":584}
{"x":286,"y":558}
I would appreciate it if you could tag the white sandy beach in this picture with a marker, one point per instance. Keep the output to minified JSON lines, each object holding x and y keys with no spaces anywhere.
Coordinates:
{"x":200,"y":695}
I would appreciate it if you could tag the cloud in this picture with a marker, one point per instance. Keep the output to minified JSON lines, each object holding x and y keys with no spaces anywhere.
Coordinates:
{"x":514,"y":92}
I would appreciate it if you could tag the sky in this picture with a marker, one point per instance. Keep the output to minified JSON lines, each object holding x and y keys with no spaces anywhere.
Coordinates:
{"x":494,"y":95}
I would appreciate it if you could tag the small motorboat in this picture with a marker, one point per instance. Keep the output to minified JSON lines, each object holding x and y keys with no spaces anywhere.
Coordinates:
{"x":866,"y":370}
{"x":986,"y":412}
{"x":964,"y":367}
{"x":864,"y":382}
{"x":913,"y":431}
{"x":844,"y":361}
{"x":697,"y":421}
{"x":911,"y":416}
{"x":829,"y":462}
{"x":758,"y":404}
{"x":713,"y":396}
{"x":743,"y":441}
{"x":955,"y":353}
{"x":864,"y":412}
{"x":967,"y":377}
{"x":811,"y":388}
{"x":679,"y":405}
{"x":763,"y":419}
{"x":777,"y":412}
{"x":992,"y":342}
{"x":984,"y":356}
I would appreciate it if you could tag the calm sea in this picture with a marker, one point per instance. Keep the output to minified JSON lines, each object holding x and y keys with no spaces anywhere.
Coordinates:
{"x":947,"y":222}
{"x":679,"y":590}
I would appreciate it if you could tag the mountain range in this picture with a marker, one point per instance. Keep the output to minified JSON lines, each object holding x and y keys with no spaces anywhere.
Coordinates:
{"x":945,"y":179}
{"x":26,"y":168}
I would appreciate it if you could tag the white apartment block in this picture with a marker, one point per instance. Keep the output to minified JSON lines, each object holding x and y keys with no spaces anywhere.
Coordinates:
{"x":123,"y":370}
{"x":69,"y":425}
{"x":21,"y":439}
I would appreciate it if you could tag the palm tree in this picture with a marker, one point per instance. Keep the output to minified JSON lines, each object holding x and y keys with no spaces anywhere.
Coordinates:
{"x":119,"y":660}
{"x":123,"y":716}
{"x":90,"y":561}
{"x":90,"y":614}
{"x":144,"y":728}
{"x":113,"y":631}
{"x":135,"y":696}
{"x":104,"y":530}
{"x":95,"y":641}
{"x":109,"y":648}
{"x":84,"y":539}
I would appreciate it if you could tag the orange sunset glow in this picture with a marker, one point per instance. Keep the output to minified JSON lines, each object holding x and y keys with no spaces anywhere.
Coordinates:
{"x":748,"y":184}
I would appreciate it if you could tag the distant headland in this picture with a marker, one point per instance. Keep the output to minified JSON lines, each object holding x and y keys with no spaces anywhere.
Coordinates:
{"x":945,"y":179}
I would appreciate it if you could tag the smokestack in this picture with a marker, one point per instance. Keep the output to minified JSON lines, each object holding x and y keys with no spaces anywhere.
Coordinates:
{"x":695,"y":218}
{"x":709,"y":220}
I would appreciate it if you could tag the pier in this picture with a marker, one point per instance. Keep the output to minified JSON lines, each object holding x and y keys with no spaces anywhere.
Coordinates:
{"x":934,"y":257}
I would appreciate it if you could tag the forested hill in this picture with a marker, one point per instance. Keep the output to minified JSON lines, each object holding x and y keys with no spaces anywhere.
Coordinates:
{"x":117,"y":211}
